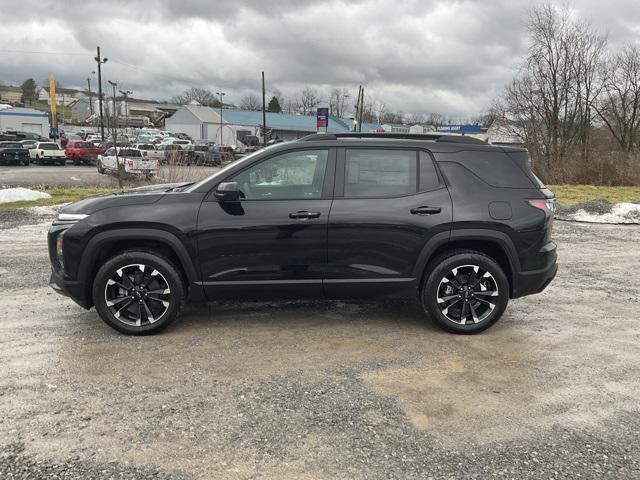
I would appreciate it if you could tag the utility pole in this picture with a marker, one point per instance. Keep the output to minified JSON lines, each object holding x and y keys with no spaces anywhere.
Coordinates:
{"x":90,"y":100}
{"x":361,"y":110}
{"x":126,"y":94}
{"x":114,"y":120}
{"x":357,"y":116}
{"x":264,"y":116}
{"x":100,"y":61}
{"x":221,"y":94}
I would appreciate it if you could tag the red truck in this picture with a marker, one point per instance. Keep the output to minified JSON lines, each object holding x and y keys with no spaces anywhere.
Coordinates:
{"x":82,"y":152}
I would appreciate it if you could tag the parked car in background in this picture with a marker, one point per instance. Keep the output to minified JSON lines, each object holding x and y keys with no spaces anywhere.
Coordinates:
{"x":80,"y":151}
{"x":30,"y":136}
{"x":131,"y":159}
{"x":13,"y":153}
{"x":28,"y":144}
{"x":8,"y":137}
{"x":171,"y":153}
{"x":47,"y":152}
{"x":223,"y":154}
{"x":149,"y":150}
{"x":93,"y":138}
{"x":183,"y":136}
{"x":198,"y":155}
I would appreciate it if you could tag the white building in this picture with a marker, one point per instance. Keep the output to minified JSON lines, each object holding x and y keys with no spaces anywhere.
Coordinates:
{"x":64,"y":96}
{"x":24,"y":120}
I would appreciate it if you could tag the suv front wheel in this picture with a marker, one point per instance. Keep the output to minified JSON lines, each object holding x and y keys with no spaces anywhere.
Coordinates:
{"x":138,"y":292}
{"x":465,"y":292}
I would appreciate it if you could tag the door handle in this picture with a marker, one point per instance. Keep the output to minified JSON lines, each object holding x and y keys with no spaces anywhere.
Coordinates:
{"x":425,"y":210}
{"x":304,"y":215}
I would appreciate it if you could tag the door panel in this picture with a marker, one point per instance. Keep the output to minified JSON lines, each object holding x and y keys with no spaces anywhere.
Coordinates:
{"x":253,"y":249}
{"x":268,"y":245}
{"x":374,"y":243}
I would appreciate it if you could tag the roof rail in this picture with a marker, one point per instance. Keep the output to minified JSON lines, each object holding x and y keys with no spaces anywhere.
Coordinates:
{"x":403,"y":136}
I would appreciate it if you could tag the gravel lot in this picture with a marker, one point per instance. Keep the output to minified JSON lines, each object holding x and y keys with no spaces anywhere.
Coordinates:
{"x":314,"y":390}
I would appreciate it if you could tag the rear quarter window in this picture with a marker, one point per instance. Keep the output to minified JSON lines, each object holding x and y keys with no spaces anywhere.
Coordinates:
{"x":494,"y":168}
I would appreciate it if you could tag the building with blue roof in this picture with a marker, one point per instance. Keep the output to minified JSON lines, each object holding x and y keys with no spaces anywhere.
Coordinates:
{"x":204,"y":123}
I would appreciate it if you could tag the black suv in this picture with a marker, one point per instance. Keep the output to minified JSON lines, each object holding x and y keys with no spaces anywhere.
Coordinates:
{"x":454,"y":222}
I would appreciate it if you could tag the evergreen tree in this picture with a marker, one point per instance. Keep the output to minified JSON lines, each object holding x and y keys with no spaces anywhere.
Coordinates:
{"x":274,"y":105}
{"x":29,"y":90}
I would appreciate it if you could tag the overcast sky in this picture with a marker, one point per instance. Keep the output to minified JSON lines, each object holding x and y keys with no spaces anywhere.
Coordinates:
{"x":450,"y":57}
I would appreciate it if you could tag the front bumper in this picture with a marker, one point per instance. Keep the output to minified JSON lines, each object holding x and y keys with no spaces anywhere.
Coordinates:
{"x":75,"y":290}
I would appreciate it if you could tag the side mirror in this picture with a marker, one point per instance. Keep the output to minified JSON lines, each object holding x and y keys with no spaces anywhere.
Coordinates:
{"x":228,"y":192}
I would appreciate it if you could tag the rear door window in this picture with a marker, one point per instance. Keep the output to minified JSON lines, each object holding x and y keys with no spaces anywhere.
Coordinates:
{"x":428,"y":174}
{"x":380,"y":173}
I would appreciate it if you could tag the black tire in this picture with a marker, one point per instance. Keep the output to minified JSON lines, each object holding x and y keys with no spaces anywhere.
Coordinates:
{"x":38,"y":161}
{"x":76,"y":161}
{"x":62,"y":163}
{"x":159,"y":272}
{"x":481,"y":305}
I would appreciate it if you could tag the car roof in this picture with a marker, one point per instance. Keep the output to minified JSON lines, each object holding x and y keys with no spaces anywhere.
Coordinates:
{"x":435,"y":143}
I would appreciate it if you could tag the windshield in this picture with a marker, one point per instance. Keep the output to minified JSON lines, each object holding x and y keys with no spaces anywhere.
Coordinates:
{"x":48,"y":146}
{"x":223,"y":170}
{"x":10,"y":145}
{"x":145,"y":147}
{"x":84,"y":145}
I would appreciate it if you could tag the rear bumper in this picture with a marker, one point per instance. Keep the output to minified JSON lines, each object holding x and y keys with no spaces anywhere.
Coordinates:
{"x":535,"y":281}
{"x":72,"y":289}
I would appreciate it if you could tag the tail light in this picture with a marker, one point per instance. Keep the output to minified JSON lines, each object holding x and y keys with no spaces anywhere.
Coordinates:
{"x":130,"y":163}
{"x":42,"y":152}
{"x":145,"y":153}
{"x":548,"y":205}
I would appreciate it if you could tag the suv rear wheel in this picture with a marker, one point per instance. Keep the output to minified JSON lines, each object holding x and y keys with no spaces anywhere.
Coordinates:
{"x":465,"y":292}
{"x":138,"y":292}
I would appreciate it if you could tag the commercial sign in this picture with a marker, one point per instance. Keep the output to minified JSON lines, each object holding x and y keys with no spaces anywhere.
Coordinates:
{"x":322,"y":117}
{"x":459,"y":128}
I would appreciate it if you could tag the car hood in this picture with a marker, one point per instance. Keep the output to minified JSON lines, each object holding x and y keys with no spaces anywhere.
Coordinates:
{"x":134,"y":196}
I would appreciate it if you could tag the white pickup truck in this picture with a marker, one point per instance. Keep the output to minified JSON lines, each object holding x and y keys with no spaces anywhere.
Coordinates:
{"x":148,"y":150}
{"x":47,"y":152}
{"x":130,"y":158}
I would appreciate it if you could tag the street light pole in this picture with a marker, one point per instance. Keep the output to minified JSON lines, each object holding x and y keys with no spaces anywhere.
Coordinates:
{"x":221,"y":94}
{"x":100,"y":61}
{"x":90,"y":100}
{"x":126,"y":94}
{"x":113,"y":115}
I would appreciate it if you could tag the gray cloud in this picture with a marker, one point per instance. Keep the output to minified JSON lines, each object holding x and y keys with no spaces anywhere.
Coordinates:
{"x":451,"y":57}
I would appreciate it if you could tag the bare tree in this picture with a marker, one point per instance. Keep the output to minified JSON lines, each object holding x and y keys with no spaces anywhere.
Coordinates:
{"x":415,"y":119}
{"x":338,"y":99}
{"x":436,"y":119}
{"x":550,"y":101}
{"x":309,"y":98}
{"x":200,"y":95}
{"x":619,"y":102}
{"x":250,"y":102}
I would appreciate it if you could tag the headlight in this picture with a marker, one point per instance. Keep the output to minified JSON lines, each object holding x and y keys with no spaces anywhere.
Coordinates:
{"x":71,"y":217}
{"x":59,"y":249}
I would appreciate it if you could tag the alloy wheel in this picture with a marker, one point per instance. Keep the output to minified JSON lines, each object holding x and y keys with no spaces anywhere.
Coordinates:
{"x":137,"y":295}
{"x":467,"y":294}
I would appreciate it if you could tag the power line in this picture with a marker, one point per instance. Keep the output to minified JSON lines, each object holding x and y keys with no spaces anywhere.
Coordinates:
{"x":44,"y":53}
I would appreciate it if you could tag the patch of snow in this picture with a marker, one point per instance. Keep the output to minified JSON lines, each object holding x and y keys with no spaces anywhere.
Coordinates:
{"x":620,"y":213}
{"x":20,"y":193}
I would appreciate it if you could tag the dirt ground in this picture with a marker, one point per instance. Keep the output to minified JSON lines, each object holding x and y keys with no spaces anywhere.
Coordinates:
{"x":338,"y":390}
